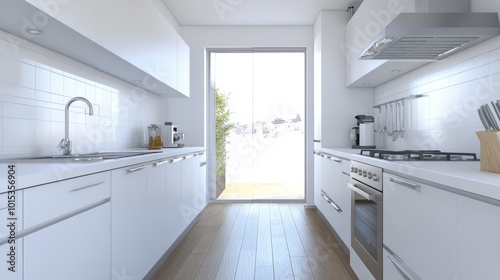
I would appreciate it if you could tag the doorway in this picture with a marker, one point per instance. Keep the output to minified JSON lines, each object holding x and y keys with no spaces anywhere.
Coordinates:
{"x":260,"y":134}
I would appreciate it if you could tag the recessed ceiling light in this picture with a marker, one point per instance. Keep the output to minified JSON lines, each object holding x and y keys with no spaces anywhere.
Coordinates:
{"x":396,"y":71}
{"x":34,"y":31}
{"x":137,"y":82}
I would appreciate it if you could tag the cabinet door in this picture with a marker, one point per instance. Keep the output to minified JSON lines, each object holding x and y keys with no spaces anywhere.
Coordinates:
{"x":331,"y":178}
{"x":345,"y":221}
{"x":317,"y":181}
{"x":134,"y":30}
{"x":12,"y":251}
{"x":174,"y":217}
{"x":420,"y":226}
{"x":128,"y":222}
{"x":478,"y":242}
{"x":76,"y":248}
{"x":156,"y":212}
{"x":188,"y":212}
{"x":183,"y":67}
{"x":200,"y":186}
{"x":390,"y":269}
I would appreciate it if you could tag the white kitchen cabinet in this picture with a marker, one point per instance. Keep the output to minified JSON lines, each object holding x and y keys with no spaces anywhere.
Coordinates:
{"x":183,"y":67}
{"x":134,"y":30}
{"x":317,"y":181}
{"x":173,"y":216}
{"x":478,"y":242}
{"x":67,"y":229}
{"x":391,"y":271}
{"x":188,"y":212}
{"x":12,"y":257}
{"x":333,"y":195}
{"x":129,"y":221}
{"x":156,"y":211}
{"x":199,"y":184}
{"x":420,"y":227}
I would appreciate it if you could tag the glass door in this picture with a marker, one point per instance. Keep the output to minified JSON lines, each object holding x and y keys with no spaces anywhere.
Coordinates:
{"x":261,"y":97}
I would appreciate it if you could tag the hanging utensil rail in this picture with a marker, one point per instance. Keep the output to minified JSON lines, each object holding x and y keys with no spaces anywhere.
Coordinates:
{"x":400,"y":99}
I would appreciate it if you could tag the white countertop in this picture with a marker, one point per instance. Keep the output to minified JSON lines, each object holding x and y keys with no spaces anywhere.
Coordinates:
{"x":460,"y":175}
{"x":42,"y":171}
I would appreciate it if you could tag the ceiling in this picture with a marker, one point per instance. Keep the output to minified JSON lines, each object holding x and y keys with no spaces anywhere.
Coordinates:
{"x":252,"y":12}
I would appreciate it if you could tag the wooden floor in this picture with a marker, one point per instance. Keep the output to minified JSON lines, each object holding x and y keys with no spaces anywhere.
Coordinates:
{"x":258,"y":241}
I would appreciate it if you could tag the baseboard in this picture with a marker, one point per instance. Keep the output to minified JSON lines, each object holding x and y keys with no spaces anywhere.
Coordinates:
{"x":344,"y":247}
{"x":159,"y":264}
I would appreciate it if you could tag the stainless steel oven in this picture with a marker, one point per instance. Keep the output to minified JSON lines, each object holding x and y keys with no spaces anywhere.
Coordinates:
{"x":366,"y":215}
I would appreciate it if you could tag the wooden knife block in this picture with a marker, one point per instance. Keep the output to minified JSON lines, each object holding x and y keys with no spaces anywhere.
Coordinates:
{"x":490,"y":150}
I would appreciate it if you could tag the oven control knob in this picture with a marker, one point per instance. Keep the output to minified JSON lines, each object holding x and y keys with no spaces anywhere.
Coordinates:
{"x":375,"y":177}
{"x":364,"y":174}
{"x":369,"y":175}
{"x":360,"y":172}
{"x":352,"y":169}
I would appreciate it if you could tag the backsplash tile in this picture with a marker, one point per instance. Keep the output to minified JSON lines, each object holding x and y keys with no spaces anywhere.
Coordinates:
{"x":446,"y":118}
{"x":36,"y":83}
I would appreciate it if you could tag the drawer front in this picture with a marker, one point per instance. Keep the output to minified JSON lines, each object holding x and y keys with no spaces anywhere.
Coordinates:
{"x":11,"y":210}
{"x":49,"y":201}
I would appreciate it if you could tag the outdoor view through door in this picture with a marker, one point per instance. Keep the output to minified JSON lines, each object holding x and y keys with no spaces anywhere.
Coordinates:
{"x":259,"y":124}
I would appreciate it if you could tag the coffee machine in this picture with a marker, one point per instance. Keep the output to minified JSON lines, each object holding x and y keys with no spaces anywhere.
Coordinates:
{"x":171,"y":136}
{"x":363,"y":133}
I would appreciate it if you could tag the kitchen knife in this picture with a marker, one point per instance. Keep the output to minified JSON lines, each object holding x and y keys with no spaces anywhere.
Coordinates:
{"x":496,"y":109}
{"x":485,"y":117}
{"x":485,"y":124}
{"x":498,"y":106}
{"x":491,"y":117}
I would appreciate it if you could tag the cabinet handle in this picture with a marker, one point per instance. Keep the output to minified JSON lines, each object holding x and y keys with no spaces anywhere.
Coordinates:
{"x":55,"y":220}
{"x":86,"y":187}
{"x":189,"y":156}
{"x":333,"y":204}
{"x":176,"y":160}
{"x":336,"y":159}
{"x":136,"y":169}
{"x":402,"y":268}
{"x":413,"y":186}
{"x":203,"y":163}
{"x":160,"y":163}
{"x":317,"y":141}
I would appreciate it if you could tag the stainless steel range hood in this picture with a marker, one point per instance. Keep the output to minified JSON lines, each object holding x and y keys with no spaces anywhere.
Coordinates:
{"x":432,"y":36}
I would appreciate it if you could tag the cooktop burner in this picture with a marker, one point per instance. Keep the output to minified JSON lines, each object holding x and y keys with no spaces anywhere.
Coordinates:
{"x":431,"y":155}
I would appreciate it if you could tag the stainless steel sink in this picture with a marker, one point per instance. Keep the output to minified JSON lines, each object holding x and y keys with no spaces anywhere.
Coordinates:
{"x":96,"y":156}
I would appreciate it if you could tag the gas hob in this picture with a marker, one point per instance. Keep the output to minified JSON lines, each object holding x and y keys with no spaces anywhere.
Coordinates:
{"x":415,"y":155}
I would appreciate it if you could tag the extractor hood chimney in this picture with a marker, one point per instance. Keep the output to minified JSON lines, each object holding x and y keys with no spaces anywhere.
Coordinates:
{"x":431,"y":33}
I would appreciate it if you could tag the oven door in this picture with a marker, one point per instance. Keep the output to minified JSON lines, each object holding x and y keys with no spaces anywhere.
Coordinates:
{"x":366,"y":223}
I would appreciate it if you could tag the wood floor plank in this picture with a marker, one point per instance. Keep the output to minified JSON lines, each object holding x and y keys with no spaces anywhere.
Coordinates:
{"x":301,"y":268}
{"x":264,"y":273}
{"x":246,"y":265}
{"x":190,"y":267}
{"x":281,"y":259}
{"x":251,"y":229}
{"x":293,"y":241}
{"x":264,"y":244}
{"x":229,"y":262}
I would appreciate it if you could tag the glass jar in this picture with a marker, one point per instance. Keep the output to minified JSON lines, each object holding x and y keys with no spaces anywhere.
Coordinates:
{"x":154,"y":138}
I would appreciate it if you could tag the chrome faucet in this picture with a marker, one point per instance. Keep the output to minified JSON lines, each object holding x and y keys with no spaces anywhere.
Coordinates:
{"x":65,"y":143}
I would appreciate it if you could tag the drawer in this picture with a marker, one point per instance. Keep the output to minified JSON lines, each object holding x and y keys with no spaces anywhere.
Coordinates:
{"x":52,"y":200}
{"x":4,"y":212}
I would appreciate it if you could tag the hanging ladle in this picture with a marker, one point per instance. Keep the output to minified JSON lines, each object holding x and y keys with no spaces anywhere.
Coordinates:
{"x":395,"y":134}
{"x":402,"y":130}
{"x":390,"y":131}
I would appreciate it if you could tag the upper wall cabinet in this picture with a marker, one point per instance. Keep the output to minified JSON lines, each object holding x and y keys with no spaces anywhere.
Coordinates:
{"x":367,"y":23}
{"x":129,"y":39}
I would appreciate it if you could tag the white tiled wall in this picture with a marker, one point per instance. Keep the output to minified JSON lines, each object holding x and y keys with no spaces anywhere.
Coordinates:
{"x":36,"y":83}
{"x":446,"y":118}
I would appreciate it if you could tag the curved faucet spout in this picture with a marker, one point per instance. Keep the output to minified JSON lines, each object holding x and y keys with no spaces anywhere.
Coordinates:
{"x":65,"y":143}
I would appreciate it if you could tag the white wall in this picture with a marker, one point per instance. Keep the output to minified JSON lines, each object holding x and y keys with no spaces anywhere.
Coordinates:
{"x":455,"y":87}
{"x":36,"y":83}
{"x":192,"y":115}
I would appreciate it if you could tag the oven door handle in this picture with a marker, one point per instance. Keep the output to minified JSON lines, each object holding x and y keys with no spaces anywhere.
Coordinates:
{"x":361,"y":192}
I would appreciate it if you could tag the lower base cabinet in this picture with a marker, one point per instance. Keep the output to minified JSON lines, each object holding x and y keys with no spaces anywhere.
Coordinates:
{"x":129,"y":223}
{"x":76,"y":248}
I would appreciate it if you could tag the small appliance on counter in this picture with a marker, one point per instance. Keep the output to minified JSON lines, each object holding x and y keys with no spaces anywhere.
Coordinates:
{"x":171,"y":135}
{"x":363,"y":133}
